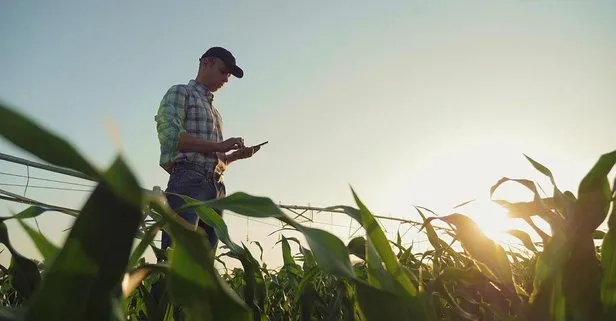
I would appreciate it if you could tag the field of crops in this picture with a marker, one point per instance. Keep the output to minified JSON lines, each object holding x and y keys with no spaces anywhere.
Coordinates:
{"x":97,"y":275}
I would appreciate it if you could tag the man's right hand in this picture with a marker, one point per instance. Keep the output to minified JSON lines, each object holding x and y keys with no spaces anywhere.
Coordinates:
{"x":231,"y":144}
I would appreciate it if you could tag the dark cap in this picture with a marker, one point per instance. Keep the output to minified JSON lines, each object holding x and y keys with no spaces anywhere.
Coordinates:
{"x":226,"y":56}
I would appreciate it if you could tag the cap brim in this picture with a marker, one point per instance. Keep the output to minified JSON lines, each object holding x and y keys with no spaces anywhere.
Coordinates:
{"x":237,"y":71}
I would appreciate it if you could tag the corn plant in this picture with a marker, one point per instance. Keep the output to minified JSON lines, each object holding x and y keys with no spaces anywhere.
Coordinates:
{"x":97,"y":275}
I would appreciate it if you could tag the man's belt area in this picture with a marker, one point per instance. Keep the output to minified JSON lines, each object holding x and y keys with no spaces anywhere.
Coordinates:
{"x":216,"y":174}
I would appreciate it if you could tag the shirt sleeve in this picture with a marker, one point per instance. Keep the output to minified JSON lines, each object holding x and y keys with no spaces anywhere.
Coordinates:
{"x":170,"y":122}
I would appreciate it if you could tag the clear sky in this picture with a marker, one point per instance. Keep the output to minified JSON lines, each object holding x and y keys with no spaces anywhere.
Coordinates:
{"x":410,"y":102}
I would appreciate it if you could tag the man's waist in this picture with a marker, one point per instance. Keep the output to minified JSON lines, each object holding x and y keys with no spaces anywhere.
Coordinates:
{"x":206,"y":171}
{"x":202,"y":167}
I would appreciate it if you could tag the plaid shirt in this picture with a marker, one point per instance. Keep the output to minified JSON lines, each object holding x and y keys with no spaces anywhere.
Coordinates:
{"x":188,"y":108}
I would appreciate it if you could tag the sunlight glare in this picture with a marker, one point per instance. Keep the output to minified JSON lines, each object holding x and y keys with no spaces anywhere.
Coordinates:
{"x":493,"y":220}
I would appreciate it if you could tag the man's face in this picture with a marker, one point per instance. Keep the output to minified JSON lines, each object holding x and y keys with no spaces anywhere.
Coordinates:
{"x":217,"y":73}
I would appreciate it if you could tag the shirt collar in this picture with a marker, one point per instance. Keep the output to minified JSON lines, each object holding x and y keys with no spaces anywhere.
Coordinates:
{"x":202,"y":89}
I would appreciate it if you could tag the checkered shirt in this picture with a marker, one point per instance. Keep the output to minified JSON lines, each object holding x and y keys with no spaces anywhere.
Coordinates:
{"x":188,"y":108}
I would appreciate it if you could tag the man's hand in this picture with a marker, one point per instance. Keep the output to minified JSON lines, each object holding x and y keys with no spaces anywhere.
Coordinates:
{"x":243,"y":153}
{"x":231,"y":144}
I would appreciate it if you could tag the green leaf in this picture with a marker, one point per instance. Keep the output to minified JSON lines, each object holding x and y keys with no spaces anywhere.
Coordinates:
{"x":524,"y":238}
{"x":434,"y":240}
{"x":539,"y":206}
{"x":468,"y":276}
{"x":23,"y":272}
{"x":394,"y":279}
{"x":562,"y":201}
{"x":331,"y":256}
{"x":248,"y":205}
{"x":482,"y":249}
{"x":379,"y":305}
{"x":260,"y":249}
{"x":453,"y":302}
{"x":193,"y":276}
{"x":147,"y":239}
{"x":308,"y":257}
{"x":329,"y":252}
{"x":357,"y":247}
{"x":31,"y":137}
{"x":34,"y":211}
{"x":568,"y":273}
{"x":30,"y":212}
{"x":193,"y":281}
{"x":544,"y":170}
{"x":608,"y":260}
{"x":524,"y":210}
{"x":47,"y":249}
{"x":306,"y":281}
{"x":594,"y":194}
{"x":582,"y":273}
{"x":377,"y":274}
{"x":547,"y":298}
{"x":255,"y":292}
{"x":11,"y":314}
{"x":377,"y":237}
{"x":53,"y":149}
{"x":472,"y":280}
{"x":287,"y":257}
{"x":133,"y":279}
{"x":92,"y":262}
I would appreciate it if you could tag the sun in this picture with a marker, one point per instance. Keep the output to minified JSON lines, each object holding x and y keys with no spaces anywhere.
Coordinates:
{"x":494,"y":221}
{"x":448,"y":177}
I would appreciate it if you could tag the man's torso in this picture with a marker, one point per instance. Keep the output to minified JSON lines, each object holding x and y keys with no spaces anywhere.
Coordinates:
{"x":204,"y":121}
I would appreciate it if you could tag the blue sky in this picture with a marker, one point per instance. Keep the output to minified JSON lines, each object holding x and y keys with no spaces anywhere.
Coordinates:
{"x":409,"y":102}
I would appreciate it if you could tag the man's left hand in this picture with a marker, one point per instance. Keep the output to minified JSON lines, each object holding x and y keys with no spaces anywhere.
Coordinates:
{"x":245,"y":152}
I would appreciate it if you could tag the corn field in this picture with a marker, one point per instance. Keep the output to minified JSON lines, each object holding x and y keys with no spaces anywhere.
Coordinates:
{"x":97,"y":274}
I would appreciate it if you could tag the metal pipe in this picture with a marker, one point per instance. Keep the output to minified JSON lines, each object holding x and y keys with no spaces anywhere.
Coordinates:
{"x":51,"y":168}
{"x":24,"y":200}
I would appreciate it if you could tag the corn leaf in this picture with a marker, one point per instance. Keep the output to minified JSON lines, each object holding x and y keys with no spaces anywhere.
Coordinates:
{"x":331,"y":256}
{"x":47,"y":249}
{"x":594,"y":195}
{"x":51,"y":148}
{"x":193,"y":282}
{"x":357,"y":247}
{"x":489,"y":256}
{"x":23,"y":272}
{"x":92,"y":260}
{"x":30,"y":212}
{"x":146,"y":241}
{"x":539,"y":206}
{"x":11,"y":314}
{"x":524,"y":238}
{"x":560,"y":200}
{"x":329,"y":252}
{"x":133,"y":279}
{"x":568,"y":273}
{"x":255,"y":292}
{"x":608,"y":262}
{"x":376,"y":237}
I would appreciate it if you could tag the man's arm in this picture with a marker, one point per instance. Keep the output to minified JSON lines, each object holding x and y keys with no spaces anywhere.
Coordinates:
{"x":189,"y":143}
{"x":170,"y":122}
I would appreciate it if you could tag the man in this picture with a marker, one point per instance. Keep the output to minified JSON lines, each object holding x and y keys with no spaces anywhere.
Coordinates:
{"x":189,"y":130}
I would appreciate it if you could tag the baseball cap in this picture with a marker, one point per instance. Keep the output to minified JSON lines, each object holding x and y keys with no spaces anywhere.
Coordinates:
{"x":226,"y":56}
